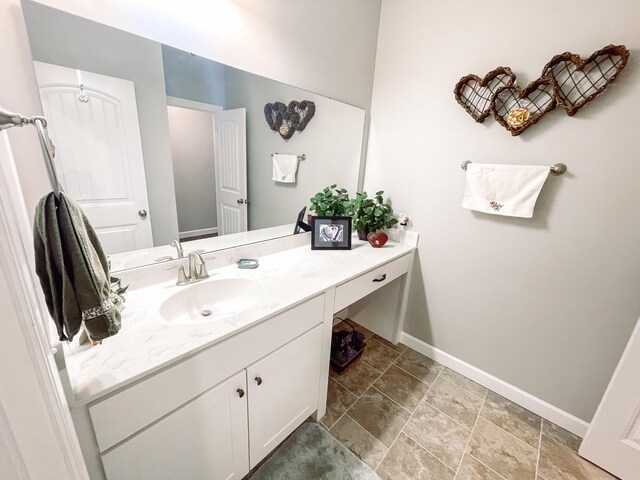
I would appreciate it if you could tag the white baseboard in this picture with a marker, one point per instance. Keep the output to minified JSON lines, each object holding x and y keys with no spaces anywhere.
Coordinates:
{"x":516,"y":395}
{"x":197,"y":233}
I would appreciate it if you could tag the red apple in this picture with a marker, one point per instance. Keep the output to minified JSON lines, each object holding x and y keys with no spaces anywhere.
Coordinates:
{"x":377,"y":239}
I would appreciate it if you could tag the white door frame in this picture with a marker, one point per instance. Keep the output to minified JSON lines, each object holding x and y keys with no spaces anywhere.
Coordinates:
{"x":31,"y":319}
{"x":192,"y":104}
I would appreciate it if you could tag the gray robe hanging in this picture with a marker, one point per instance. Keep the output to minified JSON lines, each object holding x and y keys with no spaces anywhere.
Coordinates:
{"x":73,"y":270}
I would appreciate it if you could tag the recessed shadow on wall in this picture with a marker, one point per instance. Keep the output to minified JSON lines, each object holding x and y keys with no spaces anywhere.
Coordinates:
{"x":544,"y":206}
{"x":417,"y":322}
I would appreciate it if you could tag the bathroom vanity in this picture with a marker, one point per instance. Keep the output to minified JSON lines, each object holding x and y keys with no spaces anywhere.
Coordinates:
{"x":204,"y":380}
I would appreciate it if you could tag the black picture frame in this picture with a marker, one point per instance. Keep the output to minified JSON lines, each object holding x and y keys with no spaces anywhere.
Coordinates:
{"x":330,"y":233}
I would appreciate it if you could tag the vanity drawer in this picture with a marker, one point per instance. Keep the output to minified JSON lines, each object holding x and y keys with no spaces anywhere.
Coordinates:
{"x":127,"y":411}
{"x":360,"y":287}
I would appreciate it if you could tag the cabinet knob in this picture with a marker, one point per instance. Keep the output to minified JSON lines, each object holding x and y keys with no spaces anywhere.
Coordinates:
{"x":259,"y":380}
{"x":380,"y":279}
{"x":240,"y":392}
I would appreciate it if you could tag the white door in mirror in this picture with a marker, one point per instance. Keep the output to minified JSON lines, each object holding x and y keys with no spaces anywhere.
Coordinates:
{"x":230,"y":144}
{"x":93,"y":121}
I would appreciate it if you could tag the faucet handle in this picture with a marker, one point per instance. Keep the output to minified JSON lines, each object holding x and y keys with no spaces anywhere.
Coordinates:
{"x":202,"y":269}
{"x":182,"y":277}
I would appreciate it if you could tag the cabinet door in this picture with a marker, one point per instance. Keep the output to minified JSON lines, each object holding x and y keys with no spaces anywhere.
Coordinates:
{"x":283,"y":392}
{"x":205,"y":439}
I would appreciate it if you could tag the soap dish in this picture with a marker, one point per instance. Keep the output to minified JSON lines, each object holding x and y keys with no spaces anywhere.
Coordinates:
{"x":247,"y":263}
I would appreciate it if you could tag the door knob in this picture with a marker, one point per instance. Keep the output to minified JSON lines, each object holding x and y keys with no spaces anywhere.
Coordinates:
{"x":259,"y":380}
{"x":246,"y":202}
{"x":240,"y":392}
{"x":240,"y":201}
{"x":142,"y":213}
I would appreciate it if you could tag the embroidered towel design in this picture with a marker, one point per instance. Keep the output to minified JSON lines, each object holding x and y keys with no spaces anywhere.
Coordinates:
{"x":510,"y":190}
{"x":284,"y":168}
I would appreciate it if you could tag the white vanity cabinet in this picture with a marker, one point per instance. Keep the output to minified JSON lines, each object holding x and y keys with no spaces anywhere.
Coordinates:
{"x":283,"y":392}
{"x":214,"y":405}
{"x":207,"y":438}
{"x":195,"y":421}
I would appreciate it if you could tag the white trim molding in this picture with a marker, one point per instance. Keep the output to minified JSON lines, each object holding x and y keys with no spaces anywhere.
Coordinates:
{"x":197,"y":233}
{"x":30,"y":319}
{"x":530,"y":402}
{"x":192,"y":104}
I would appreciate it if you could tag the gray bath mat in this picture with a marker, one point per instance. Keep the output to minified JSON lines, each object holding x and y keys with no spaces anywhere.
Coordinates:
{"x":311,"y":453}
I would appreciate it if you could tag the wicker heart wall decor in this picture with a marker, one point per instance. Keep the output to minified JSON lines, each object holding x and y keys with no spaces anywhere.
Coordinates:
{"x":516,"y":109}
{"x":475,"y":94}
{"x":577,"y":81}
{"x":304,"y":111}
{"x":274,"y":114}
{"x":287,"y":119}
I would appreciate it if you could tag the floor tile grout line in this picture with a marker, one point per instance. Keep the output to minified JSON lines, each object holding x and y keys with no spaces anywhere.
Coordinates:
{"x":469,"y":439}
{"x":417,"y":443}
{"x":483,"y":396}
{"x":369,"y":433}
{"x":463,"y":389}
{"x":394,"y":401}
{"x":486,"y":466}
{"x":402,"y":431}
{"x":561,"y":444}
{"x":505,"y":431}
{"x":539,"y":449}
{"x":446,"y":414}
{"x":411,"y":374}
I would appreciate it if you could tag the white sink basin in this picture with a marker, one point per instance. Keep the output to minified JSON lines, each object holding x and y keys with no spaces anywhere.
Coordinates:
{"x":209,"y":301}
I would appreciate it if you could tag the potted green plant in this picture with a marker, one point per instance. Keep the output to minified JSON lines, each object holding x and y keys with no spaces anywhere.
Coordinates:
{"x":371,"y":214}
{"x":331,"y":202}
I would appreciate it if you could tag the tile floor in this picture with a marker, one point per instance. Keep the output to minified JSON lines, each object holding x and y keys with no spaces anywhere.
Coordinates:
{"x":410,"y":418}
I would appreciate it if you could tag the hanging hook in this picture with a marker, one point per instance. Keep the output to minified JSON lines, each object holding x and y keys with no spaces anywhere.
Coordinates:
{"x":83,"y":97}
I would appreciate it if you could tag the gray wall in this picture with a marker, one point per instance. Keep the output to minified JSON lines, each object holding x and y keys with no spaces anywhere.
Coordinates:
{"x":74,"y":42}
{"x":331,"y":142}
{"x":545,"y":304}
{"x":194,"y":78}
{"x":191,"y":135}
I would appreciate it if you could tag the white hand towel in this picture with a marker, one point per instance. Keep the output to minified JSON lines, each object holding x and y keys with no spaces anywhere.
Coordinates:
{"x":284,"y":168}
{"x":510,"y":190}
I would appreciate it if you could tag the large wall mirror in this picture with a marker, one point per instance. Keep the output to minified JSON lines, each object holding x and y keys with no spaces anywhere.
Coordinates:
{"x":157,"y":144}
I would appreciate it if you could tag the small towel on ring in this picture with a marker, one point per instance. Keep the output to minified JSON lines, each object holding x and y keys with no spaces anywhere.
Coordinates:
{"x":510,"y":190}
{"x":284,"y":168}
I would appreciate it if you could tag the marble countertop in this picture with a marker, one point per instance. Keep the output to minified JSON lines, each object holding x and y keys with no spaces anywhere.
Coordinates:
{"x":147,"y":343}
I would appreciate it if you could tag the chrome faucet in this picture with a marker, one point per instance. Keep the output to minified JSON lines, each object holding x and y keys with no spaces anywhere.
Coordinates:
{"x":176,"y":243}
{"x":197,"y":270}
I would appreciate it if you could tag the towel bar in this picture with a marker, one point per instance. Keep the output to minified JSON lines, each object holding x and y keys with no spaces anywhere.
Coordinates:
{"x":300,"y":157}
{"x":556,"y":168}
{"x":10,"y":119}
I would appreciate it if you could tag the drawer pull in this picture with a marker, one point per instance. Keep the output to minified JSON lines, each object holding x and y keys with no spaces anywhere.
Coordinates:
{"x":240,"y":392}
{"x":258,"y":380}
{"x":380,"y":279}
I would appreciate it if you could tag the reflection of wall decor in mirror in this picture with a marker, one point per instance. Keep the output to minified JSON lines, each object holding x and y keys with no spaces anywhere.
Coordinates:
{"x":516,"y":109}
{"x":287,"y":120}
{"x":475,"y":94}
{"x":578,"y":81}
{"x":176,"y":96}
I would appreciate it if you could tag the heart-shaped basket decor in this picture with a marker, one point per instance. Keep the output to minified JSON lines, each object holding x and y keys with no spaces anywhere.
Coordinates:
{"x":274,"y":114}
{"x":516,"y":109}
{"x":578,"y":81}
{"x":304,"y":110}
{"x":475,"y":94}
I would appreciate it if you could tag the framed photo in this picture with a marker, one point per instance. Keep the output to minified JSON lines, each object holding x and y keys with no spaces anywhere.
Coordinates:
{"x":331,"y":233}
